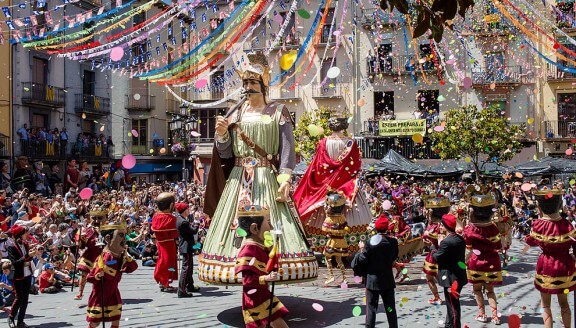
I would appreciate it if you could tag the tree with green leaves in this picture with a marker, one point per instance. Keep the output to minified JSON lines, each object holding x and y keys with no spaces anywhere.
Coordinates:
{"x":431,"y":15}
{"x":477,"y":135}
{"x":307,"y":128}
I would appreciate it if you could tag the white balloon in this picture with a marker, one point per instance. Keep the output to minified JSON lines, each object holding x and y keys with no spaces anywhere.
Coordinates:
{"x":333,"y":72}
{"x":136,"y":96}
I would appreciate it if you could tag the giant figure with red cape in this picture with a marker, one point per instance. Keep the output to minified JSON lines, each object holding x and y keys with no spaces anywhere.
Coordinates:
{"x":335,"y":167}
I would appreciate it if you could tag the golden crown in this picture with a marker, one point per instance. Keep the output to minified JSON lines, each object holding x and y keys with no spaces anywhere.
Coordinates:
{"x":253,"y":210}
{"x":98,"y":213}
{"x":257,"y":69}
{"x":114,"y":226}
{"x":482,"y":200}
{"x":434,"y":201}
{"x":547,"y":191}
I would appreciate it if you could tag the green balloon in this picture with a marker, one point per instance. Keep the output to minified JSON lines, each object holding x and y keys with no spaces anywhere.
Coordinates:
{"x":357,"y":311}
{"x":304,"y":13}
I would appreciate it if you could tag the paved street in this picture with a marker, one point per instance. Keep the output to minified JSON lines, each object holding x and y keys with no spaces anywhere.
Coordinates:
{"x":145,"y":306}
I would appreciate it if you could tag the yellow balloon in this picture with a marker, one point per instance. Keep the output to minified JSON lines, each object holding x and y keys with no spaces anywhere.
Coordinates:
{"x":417,"y":138}
{"x":287,"y":60}
{"x":283,"y":177}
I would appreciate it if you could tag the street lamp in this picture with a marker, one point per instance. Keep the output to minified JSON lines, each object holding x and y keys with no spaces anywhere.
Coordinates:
{"x":178,"y":127}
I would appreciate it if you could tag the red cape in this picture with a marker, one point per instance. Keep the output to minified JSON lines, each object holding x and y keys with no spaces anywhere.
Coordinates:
{"x":164,"y":227}
{"x":323,"y":174}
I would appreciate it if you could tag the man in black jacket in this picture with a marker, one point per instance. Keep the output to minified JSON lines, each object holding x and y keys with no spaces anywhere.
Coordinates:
{"x":450,"y":257}
{"x":378,"y":256}
{"x":186,"y":231}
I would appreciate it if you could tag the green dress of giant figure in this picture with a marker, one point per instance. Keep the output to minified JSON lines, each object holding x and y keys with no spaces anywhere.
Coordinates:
{"x":257,"y":143}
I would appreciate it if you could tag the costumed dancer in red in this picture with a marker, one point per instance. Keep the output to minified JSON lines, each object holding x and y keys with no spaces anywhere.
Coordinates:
{"x":251,"y":262}
{"x":164,"y":227}
{"x":335,"y":167}
{"x":436,"y":207}
{"x":555,"y":269}
{"x":401,"y":231}
{"x":86,"y":239}
{"x":483,"y":239}
{"x":504,"y":224}
{"x":105,"y":302}
{"x":335,"y":227}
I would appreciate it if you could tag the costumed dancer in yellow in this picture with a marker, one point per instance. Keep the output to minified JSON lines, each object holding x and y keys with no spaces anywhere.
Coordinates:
{"x":335,"y":227}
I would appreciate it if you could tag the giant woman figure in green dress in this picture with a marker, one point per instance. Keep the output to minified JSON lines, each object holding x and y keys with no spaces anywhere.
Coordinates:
{"x":253,"y":146}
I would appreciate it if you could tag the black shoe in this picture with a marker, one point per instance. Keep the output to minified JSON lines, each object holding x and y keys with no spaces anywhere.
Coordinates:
{"x":168,"y":289}
{"x":195,"y":289}
{"x":185,"y":295}
{"x":22,"y":325}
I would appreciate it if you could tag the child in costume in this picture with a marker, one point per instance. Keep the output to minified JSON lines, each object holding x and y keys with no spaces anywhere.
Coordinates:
{"x":86,"y":239}
{"x":555,"y":269}
{"x":436,"y":207}
{"x":484,"y":267}
{"x":105,"y":302}
{"x":252,"y":261}
{"x":335,"y":227}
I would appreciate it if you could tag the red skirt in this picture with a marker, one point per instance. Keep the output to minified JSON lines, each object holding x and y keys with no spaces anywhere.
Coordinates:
{"x":255,"y":307}
{"x":166,"y":269}
{"x":555,"y":274}
{"x":430,"y":266}
{"x":485,"y":268}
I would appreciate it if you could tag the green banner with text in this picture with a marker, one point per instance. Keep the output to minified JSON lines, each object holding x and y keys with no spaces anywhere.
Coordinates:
{"x":402,"y":128}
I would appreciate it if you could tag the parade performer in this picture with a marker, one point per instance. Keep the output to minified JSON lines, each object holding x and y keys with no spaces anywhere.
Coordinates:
{"x":257,"y":139}
{"x":21,"y":257}
{"x":555,"y":269}
{"x":335,"y":166}
{"x":483,"y":240}
{"x":407,"y":245}
{"x":86,"y":239}
{"x":449,"y":256}
{"x":251,"y":263}
{"x":335,"y":227}
{"x":436,"y":207}
{"x":105,"y":302}
{"x":504,"y":224}
{"x":378,"y":258}
{"x":186,"y":231}
{"x":164,"y":227}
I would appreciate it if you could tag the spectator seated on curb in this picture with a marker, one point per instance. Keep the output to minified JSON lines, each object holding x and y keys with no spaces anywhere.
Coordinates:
{"x":149,"y":255}
{"x":47,"y":280}
{"x":6,"y":294}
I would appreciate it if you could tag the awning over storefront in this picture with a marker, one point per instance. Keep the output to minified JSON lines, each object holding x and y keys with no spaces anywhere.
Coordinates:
{"x":157,"y":168}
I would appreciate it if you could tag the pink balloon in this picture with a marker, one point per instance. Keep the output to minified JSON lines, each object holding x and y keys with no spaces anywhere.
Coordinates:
{"x":116,"y":54}
{"x":526,"y":187}
{"x":386,"y":205}
{"x":317,"y":307}
{"x":135,"y":133}
{"x":278,"y":19}
{"x":85,"y":193}
{"x":467,"y":83}
{"x":128,"y":161}
{"x":569,"y":151}
{"x":201,"y":83}
{"x":439,"y":128}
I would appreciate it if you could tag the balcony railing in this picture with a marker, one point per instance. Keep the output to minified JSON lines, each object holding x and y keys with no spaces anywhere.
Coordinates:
{"x":208,"y":94}
{"x":91,"y":104}
{"x":377,"y":148}
{"x":376,"y":17}
{"x":560,"y":129}
{"x":397,"y":65}
{"x":43,"y":95}
{"x":144,"y":103}
{"x":328,"y":90}
{"x":59,"y":150}
{"x":285,"y":92}
{"x":501,"y":75}
{"x":556,"y":73}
